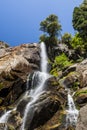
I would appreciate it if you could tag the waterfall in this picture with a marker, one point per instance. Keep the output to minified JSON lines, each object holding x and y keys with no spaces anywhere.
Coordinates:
{"x":40,"y":78}
{"x":4,"y":118}
{"x":43,"y":58}
{"x":72,"y":112}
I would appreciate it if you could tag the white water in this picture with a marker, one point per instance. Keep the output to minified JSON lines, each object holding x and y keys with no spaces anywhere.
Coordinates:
{"x":72,"y":112}
{"x":4,"y":118}
{"x":44,"y":61}
{"x":42,"y":77}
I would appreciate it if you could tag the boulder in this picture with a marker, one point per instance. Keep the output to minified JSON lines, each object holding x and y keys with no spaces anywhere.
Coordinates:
{"x":82,"y":70}
{"x":81,"y":97}
{"x":70,"y":81}
{"x":82,"y":119}
{"x":3,"y":126}
{"x":70,"y":69}
{"x":14,"y":120}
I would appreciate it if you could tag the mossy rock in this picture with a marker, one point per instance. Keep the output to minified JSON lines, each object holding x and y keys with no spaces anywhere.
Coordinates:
{"x":81,"y":97}
{"x":10,"y":127}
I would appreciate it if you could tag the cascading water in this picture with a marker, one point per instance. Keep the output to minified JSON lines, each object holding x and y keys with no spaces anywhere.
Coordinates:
{"x":39,"y":88}
{"x":44,"y":61}
{"x":4,"y":118}
{"x":72,"y":112}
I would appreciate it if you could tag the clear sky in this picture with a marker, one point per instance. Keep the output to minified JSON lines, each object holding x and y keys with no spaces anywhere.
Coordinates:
{"x":20,"y":19}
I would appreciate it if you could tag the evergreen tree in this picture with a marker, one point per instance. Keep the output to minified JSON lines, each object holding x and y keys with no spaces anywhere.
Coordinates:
{"x":80,"y":19}
{"x":67,"y":38}
{"x":51,"y":28}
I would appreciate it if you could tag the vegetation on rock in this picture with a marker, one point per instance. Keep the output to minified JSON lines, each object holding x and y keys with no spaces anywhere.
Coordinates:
{"x":61,"y":62}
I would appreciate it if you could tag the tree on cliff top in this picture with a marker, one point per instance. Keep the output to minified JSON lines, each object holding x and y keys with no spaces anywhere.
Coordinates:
{"x":51,"y":28}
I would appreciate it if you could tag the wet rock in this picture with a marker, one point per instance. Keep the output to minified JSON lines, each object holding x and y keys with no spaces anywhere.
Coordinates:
{"x":49,"y":102}
{"x":22,"y":105}
{"x":14,"y":120}
{"x":57,"y":122}
{"x":3,"y":126}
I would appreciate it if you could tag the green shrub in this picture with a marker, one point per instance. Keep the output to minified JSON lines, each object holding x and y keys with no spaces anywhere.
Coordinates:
{"x":61,"y":62}
{"x":77,"y":42}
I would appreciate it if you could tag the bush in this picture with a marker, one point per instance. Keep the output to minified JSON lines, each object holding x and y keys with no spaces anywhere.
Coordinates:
{"x":61,"y":62}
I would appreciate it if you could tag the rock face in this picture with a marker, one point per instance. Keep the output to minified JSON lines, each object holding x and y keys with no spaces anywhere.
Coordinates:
{"x":63,"y":48}
{"x":15,"y":65}
{"x":48,"y":112}
{"x":82,"y":70}
{"x":82,"y":120}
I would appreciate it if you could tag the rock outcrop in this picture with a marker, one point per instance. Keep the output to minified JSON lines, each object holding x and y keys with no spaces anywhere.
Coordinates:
{"x":15,"y":65}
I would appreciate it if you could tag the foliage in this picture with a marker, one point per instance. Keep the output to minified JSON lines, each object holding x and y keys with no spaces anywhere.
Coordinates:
{"x":75,"y":86}
{"x":80,"y":19}
{"x":80,"y":92}
{"x":51,"y":28}
{"x":77,"y":42}
{"x":61,"y":62}
{"x":54,"y":71}
{"x":66,"y":38}
{"x":50,"y":41}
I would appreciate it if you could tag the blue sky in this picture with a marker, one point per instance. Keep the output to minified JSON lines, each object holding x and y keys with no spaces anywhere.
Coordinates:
{"x":20,"y":19}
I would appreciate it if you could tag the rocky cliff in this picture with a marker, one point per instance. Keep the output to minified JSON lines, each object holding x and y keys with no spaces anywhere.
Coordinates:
{"x":15,"y":65}
{"x":49,"y":112}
